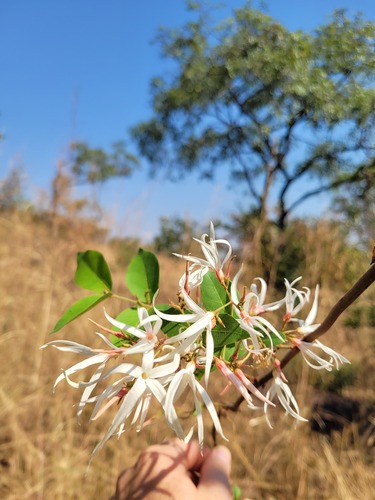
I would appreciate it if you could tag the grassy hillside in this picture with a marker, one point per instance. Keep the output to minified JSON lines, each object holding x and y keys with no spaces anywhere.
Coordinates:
{"x":44,"y":452}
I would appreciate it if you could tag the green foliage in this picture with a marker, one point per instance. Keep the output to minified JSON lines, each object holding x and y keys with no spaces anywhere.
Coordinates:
{"x":174,"y":235}
{"x":93,"y":165}
{"x":237,"y":492}
{"x":285,"y":250}
{"x":360,"y":316}
{"x":93,"y":272}
{"x":129,"y":316}
{"x":278,"y":107}
{"x":356,"y":209}
{"x":171,"y":328}
{"x":228,"y":333}
{"x":371,"y":316}
{"x":213,"y":294}
{"x":337,"y":380}
{"x":79,"y":308}
{"x":354,"y":318}
{"x":142,"y":277}
{"x":124,"y":249}
{"x":11,"y":190}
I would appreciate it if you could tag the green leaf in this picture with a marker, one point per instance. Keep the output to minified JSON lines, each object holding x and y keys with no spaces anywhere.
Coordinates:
{"x":170,"y":328}
{"x":230,"y":349}
{"x":214,"y":295}
{"x":230,"y":333}
{"x":93,"y":272}
{"x":142,"y":277}
{"x":237,"y":492}
{"x":199,"y":372}
{"x":79,"y":308}
{"x":128,"y":316}
{"x":275,"y":340}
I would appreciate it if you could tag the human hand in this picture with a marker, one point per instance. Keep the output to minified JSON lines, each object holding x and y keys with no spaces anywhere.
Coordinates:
{"x":177,"y":470}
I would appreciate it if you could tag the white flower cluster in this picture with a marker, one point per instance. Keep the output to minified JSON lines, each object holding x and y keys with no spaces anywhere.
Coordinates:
{"x":163,"y":367}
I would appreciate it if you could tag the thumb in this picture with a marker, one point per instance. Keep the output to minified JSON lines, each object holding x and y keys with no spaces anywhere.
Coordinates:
{"x":215,"y":471}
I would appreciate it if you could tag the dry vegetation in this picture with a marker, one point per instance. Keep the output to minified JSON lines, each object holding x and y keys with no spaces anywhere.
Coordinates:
{"x":44,"y":452}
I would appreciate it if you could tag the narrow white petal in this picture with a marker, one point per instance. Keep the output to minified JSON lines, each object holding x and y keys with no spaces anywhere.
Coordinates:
{"x":99,"y":358}
{"x":314,"y":309}
{"x":260,"y":320}
{"x":287,"y":399}
{"x":148,"y":323}
{"x":194,"y":329}
{"x":211,"y":409}
{"x":322,"y":364}
{"x":179,"y":380}
{"x":123,"y":368}
{"x":233,"y":290}
{"x":209,"y":354}
{"x":199,"y":415}
{"x":157,"y":389}
{"x":104,"y":338}
{"x":190,"y":304}
{"x":194,"y":260}
{"x":251,"y":387}
{"x":130,"y":400}
{"x":88,"y":390}
{"x":70,"y":346}
{"x":109,"y":392}
{"x":167,"y":369}
{"x":123,"y":326}
{"x":142,"y":346}
{"x":143,"y":413}
{"x":178,"y":318}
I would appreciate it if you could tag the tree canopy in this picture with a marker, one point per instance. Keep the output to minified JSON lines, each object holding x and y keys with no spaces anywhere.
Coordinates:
{"x":290,"y":113}
{"x":94,"y":165}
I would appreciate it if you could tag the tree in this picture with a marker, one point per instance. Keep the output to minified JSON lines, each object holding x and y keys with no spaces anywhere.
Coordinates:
{"x":174,"y":235}
{"x":94,"y":165}
{"x":286,"y":112}
{"x":356,"y":208}
{"x":11,"y":190}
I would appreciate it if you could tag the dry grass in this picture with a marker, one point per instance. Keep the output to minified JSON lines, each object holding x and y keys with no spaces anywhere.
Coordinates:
{"x":44,"y":453}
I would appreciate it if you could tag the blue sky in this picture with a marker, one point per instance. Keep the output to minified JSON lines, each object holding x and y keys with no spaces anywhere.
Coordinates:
{"x":80,"y":70}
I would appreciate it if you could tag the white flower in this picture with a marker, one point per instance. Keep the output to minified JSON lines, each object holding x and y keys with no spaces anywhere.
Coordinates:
{"x":201,"y":320}
{"x":143,"y":381}
{"x":281,"y":389}
{"x":192,"y":278}
{"x":251,"y":387}
{"x":305,"y":327}
{"x":180,"y":381}
{"x":294,"y":299}
{"x":250,"y":316}
{"x":95,"y":356}
{"x":148,"y":336}
{"x":258,"y":306}
{"x":308,"y":351}
{"x":242,"y":384}
{"x":213,"y":260}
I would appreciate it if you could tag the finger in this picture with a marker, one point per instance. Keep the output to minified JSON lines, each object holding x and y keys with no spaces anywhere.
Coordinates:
{"x":215,"y":472}
{"x":194,"y":457}
{"x":187,"y":455}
